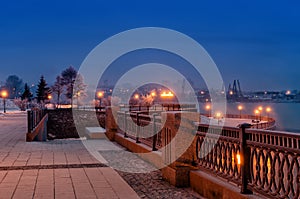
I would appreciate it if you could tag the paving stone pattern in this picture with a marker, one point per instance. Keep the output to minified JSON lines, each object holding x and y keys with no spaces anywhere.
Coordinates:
{"x":65,"y":169}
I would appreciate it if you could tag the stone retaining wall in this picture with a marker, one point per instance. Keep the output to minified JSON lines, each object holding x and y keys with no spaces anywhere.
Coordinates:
{"x":61,"y":123}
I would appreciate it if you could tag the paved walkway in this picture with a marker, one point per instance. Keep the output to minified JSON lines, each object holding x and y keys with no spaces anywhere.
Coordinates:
{"x":56,"y":169}
{"x":65,"y":169}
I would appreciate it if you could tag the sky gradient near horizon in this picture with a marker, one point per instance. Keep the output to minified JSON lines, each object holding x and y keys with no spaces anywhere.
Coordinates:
{"x":257,"y":42}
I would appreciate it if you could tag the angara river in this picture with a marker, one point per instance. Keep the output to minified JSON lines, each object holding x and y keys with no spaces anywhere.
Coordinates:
{"x":287,"y":115}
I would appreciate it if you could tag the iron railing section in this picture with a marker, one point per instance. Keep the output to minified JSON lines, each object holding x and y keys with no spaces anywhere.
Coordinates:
{"x":142,"y":128}
{"x":274,"y":163}
{"x":268,"y":123}
{"x":33,"y":118}
{"x":218,"y":152}
{"x":273,"y":158}
{"x":159,"y":107}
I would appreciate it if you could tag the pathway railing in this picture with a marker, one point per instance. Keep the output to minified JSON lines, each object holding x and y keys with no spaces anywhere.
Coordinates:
{"x":159,"y":107}
{"x":33,"y":118}
{"x":36,"y":125}
{"x":262,"y":161}
{"x":257,"y":160}
{"x":142,"y":128}
{"x":263,"y":122}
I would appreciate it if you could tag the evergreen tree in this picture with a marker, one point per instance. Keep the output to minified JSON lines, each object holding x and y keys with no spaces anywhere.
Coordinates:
{"x":26,"y":94}
{"x":42,"y":91}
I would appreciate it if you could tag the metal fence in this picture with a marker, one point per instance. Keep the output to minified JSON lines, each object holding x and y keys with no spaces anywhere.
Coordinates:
{"x":142,"y":128}
{"x":262,"y":161}
{"x":257,"y":160}
{"x":33,"y":118}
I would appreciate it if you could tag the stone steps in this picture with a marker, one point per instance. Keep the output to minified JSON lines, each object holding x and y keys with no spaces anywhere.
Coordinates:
{"x":95,"y":132}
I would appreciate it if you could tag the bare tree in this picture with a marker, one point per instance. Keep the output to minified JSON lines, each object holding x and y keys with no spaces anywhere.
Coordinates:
{"x":57,"y":88}
{"x":79,"y":88}
{"x":68,"y":80}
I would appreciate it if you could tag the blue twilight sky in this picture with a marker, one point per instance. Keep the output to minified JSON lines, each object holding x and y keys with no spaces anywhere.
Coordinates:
{"x":255,"y":41}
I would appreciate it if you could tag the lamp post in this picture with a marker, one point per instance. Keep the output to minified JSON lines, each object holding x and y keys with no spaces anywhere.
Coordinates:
{"x":240,"y":108}
{"x":207,"y":107}
{"x":218,"y":116}
{"x":4,"y":95}
{"x":100,"y":95}
{"x":256,"y":114}
{"x":268,"y":109}
{"x":260,"y":108}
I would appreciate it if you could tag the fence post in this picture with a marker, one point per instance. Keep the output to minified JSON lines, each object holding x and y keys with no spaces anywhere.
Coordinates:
{"x":125,"y":123}
{"x":29,"y":122}
{"x":245,"y":159}
{"x":154,"y":133}
{"x":137,"y":127}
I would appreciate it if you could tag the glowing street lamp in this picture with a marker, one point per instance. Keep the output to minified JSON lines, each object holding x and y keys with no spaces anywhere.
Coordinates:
{"x":256,"y":112}
{"x":49,"y":97}
{"x":240,"y":108}
{"x":207,"y":107}
{"x":4,"y":95}
{"x":153,"y":94}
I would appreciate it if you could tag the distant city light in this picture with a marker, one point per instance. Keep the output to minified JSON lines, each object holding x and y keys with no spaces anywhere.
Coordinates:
{"x":288,"y":92}
{"x":153,"y":94}
{"x":202,"y":92}
{"x":268,"y":109}
{"x":260,"y":108}
{"x":256,"y":111}
{"x":136,"y":96}
{"x":49,"y":97}
{"x":231,"y":93}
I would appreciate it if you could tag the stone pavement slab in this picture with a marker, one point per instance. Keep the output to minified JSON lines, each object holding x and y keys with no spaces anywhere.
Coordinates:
{"x":54,"y":169}
{"x":68,"y":169}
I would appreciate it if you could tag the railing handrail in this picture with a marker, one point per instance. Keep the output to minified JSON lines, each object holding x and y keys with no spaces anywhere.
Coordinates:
{"x":270,"y":158}
{"x":261,"y":150}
